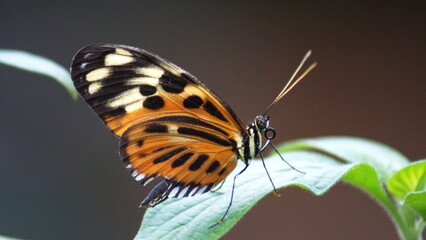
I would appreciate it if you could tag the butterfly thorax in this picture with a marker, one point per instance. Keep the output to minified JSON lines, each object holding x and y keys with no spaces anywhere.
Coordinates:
{"x":252,"y":139}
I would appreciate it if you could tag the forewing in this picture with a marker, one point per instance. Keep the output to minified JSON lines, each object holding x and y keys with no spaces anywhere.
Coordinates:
{"x":126,"y":85}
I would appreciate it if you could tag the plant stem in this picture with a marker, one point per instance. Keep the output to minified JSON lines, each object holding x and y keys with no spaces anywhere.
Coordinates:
{"x":404,"y":220}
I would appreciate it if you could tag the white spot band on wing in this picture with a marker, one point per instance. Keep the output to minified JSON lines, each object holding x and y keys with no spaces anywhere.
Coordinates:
{"x":153,"y":71}
{"x":143,"y":80}
{"x":98,"y":74}
{"x":126,"y":98}
{"x":122,"y":52}
{"x":94,"y":87}
{"x":133,"y":106}
{"x":117,"y":60}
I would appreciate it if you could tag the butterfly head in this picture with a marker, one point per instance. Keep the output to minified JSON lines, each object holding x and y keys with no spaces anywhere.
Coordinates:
{"x":261,"y":122}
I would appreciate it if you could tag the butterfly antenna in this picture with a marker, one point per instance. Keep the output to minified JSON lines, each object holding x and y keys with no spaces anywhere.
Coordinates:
{"x":290,"y":84}
{"x":276,"y":150}
{"x":270,"y":179}
{"x":232,"y":198}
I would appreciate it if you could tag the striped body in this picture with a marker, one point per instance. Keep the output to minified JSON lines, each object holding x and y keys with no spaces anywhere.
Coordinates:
{"x":250,"y":146}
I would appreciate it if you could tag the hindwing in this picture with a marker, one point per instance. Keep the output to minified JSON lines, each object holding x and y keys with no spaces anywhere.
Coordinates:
{"x":191,"y":154}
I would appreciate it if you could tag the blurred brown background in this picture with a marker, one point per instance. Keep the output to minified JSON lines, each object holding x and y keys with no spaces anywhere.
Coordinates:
{"x":60,"y":175}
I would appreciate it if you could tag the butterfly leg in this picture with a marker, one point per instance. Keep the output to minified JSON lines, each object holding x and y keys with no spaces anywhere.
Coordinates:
{"x":220,"y":186}
{"x":232,"y":198}
{"x":267,"y":173}
{"x":276,"y":150}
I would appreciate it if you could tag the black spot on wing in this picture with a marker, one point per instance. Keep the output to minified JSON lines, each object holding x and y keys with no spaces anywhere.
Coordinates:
{"x":213,"y":166}
{"x":181,"y":160}
{"x":168,"y":155}
{"x":156,"y":128}
{"x":198,"y":162}
{"x":222,"y":171}
{"x":161,"y":149}
{"x":193,"y":121}
{"x":193,"y":102}
{"x":171,"y":83}
{"x":140,"y":143}
{"x":153,"y":103}
{"x":201,"y":134}
{"x":147,"y":90}
{"x":212,"y":110}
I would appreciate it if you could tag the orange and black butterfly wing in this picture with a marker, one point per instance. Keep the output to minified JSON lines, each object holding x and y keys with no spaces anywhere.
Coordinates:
{"x":191,"y":154}
{"x":126,"y":85}
{"x":134,"y":92}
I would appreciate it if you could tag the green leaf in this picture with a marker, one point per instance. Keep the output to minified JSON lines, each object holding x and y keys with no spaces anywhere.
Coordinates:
{"x":190,"y":218}
{"x":38,"y":64}
{"x":409,"y":179}
{"x":385,"y":160}
{"x":417,"y":202}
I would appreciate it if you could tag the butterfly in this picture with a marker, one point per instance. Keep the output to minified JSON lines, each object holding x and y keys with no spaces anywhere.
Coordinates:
{"x":169,"y":123}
